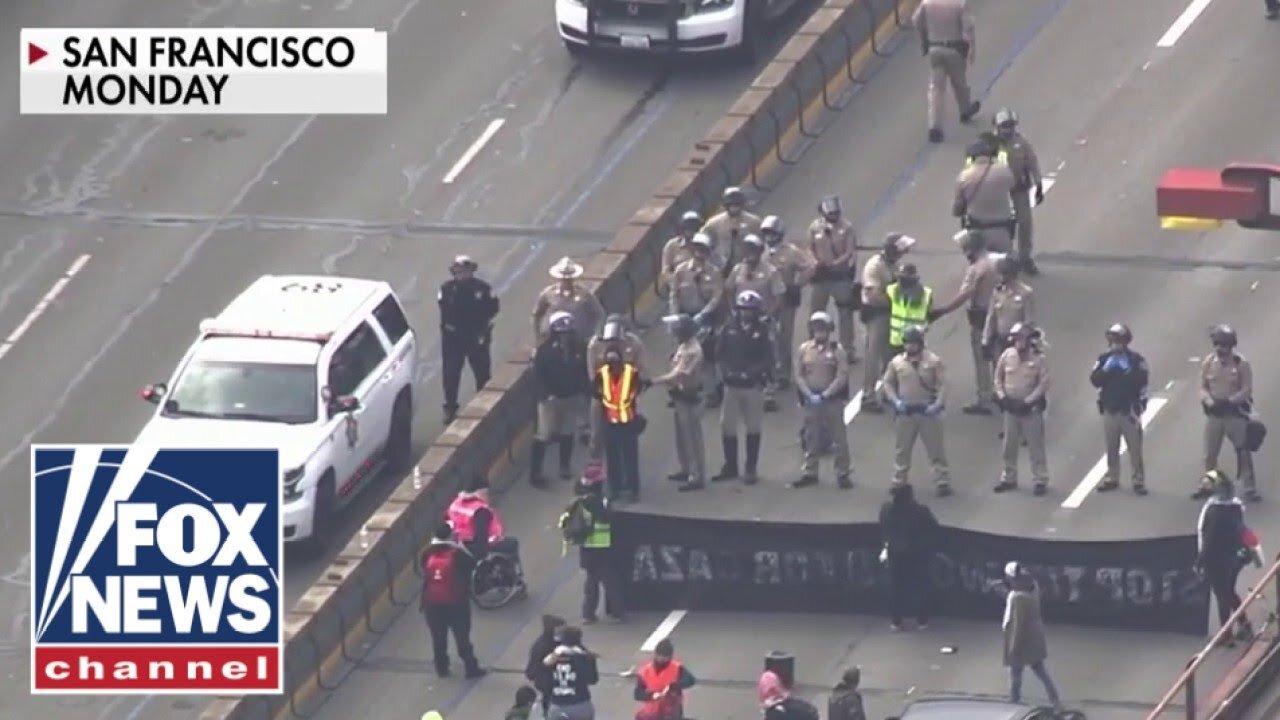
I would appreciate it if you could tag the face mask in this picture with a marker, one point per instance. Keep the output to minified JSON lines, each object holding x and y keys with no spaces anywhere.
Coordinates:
{"x":1222,"y":351}
{"x":733,"y":210}
{"x":915,"y":350}
{"x":821,"y":336}
{"x":659,"y":663}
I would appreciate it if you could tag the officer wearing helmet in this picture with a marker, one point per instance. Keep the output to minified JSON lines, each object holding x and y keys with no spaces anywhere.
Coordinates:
{"x":976,"y":288}
{"x":1025,"y":164}
{"x":468,"y":308}
{"x":822,"y":384}
{"x":1121,"y":376}
{"x":1012,"y":302}
{"x":984,"y":194}
{"x":728,"y":227}
{"x":679,"y":248}
{"x":615,"y":336}
{"x":795,"y":266}
{"x":879,"y":273}
{"x":697,"y":289}
{"x":745,"y":353}
{"x":753,"y":272}
{"x":915,"y":385}
{"x":947,"y":39}
{"x":560,"y":371}
{"x":684,"y":384}
{"x":1022,"y":381}
{"x":834,"y":247}
{"x":1226,"y":394}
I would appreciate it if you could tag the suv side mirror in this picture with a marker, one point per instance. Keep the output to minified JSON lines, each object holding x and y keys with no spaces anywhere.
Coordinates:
{"x":154,"y":393}
{"x":344,"y":404}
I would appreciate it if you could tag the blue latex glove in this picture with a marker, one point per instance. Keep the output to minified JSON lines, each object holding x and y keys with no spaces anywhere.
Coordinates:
{"x":815,"y":398}
{"x":1116,"y":363}
{"x":900,"y":406}
{"x":933,"y":410}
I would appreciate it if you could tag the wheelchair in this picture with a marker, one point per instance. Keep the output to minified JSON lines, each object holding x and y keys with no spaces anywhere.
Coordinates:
{"x":497,"y":580}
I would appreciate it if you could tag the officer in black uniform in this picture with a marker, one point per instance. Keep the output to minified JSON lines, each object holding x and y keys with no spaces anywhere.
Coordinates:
{"x":1121,"y":376}
{"x":467,"y":310}
{"x":745,"y":350}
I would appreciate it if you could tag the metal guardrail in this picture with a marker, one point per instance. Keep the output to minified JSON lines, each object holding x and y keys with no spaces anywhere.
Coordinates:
{"x":1188,"y":687}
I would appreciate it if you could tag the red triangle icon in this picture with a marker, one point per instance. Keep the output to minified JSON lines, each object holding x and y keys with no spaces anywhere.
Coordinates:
{"x":35,"y":53}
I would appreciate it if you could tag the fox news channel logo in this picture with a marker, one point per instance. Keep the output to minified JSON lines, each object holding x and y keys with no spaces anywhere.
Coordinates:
{"x":203,"y":71}
{"x":155,"y":570}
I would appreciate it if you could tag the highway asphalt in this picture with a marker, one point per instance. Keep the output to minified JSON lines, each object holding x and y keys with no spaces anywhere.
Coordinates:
{"x":1108,"y":111}
{"x":120,"y":234}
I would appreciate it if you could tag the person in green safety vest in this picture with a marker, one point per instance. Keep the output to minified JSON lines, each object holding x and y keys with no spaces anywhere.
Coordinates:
{"x":594,"y":556}
{"x":910,"y":303}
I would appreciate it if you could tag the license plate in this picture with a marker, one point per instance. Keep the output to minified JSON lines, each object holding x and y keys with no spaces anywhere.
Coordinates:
{"x":635,"y":42}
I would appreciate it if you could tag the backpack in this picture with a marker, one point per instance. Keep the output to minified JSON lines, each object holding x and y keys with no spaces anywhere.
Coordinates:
{"x":800,"y":709}
{"x":577,"y":523}
{"x":441,"y":585}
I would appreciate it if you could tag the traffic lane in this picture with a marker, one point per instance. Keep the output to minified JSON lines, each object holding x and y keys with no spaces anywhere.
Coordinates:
{"x":33,"y":256}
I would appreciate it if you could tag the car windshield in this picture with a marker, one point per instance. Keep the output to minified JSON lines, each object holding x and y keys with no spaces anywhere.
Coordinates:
{"x":266,"y":392}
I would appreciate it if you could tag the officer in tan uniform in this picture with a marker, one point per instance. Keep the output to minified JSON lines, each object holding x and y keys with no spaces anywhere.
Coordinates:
{"x":947,"y":39}
{"x":795,"y":265}
{"x":616,"y":337}
{"x":678,"y":249}
{"x":1012,"y":302}
{"x":879,"y":272}
{"x":1025,"y":165}
{"x":564,"y":295}
{"x":984,"y":195}
{"x":834,"y":247}
{"x":697,"y":290}
{"x":976,"y":289}
{"x":822,"y":382}
{"x":730,"y":226}
{"x":915,"y":385}
{"x":1022,"y":380}
{"x":1226,"y":393}
{"x":684,"y":384}
{"x":756,"y":274}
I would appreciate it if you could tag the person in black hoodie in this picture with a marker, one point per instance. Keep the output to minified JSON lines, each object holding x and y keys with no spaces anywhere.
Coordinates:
{"x":537,"y":673}
{"x":908,"y":529}
{"x":1222,"y":552}
{"x":574,"y":670}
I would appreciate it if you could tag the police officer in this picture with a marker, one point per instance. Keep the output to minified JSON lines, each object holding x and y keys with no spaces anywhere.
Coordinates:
{"x":727,"y":228}
{"x":984,"y":195}
{"x":1226,"y":393}
{"x":679,"y":248}
{"x":822,"y":383}
{"x":684,"y":384}
{"x":834,"y":247}
{"x":795,"y":265}
{"x":560,"y":367}
{"x":697,"y":289}
{"x":979,"y":283}
{"x":915,"y":384}
{"x":947,"y":39}
{"x":467,"y":311}
{"x":753,"y":272}
{"x":565,"y":295}
{"x":617,"y":337}
{"x":1022,"y":380}
{"x":910,"y":303}
{"x":745,"y":352}
{"x":878,"y":274}
{"x":1025,"y":164}
{"x":1121,"y":376}
{"x":1012,"y":302}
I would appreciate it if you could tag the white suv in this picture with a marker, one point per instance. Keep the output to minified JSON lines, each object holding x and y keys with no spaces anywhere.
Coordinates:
{"x":321,"y":368}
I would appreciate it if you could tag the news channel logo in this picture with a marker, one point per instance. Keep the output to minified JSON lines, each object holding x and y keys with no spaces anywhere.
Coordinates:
{"x":155,"y":570}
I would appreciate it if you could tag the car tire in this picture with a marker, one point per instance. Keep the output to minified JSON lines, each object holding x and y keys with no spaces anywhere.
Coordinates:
{"x":400,"y":436}
{"x":754,"y":35}
{"x":326,"y":508}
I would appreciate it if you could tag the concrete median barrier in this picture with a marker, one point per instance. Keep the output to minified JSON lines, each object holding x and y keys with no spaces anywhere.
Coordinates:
{"x":376,"y":574}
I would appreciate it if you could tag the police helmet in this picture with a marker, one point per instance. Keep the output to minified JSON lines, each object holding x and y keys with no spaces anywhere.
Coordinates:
{"x":618,"y":318}
{"x":753,"y":242}
{"x":830,"y":205}
{"x":1007,"y":266}
{"x":1120,"y":333}
{"x":681,"y":325}
{"x":748,"y":300}
{"x":561,"y":322}
{"x":909,"y":272}
{"x":913,"y":334}
{"x":612,"y":331}
{"x":690,"y":220}
{"x":702,"y":241}
{"x":1004,"y":118}
{"x":464,"y":262}
{"x":1218,"y":482}
{"x":733,"y":196}
{"x":772,"y":228}
{"x":970,"y":240}
{"x":1023,"y":331}
{"x":1224,"y":335}
{"x":821,"y":318}
{"x":899,"y":243}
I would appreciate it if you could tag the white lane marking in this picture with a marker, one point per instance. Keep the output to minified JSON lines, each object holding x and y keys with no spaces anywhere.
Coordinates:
{"x":852,"y":409}
{"x":473,"y":151}
{"x":1099,"y":471}
{"x":43,"y":305}
{"x":663,"y":631}
{"x":1180,"y":26}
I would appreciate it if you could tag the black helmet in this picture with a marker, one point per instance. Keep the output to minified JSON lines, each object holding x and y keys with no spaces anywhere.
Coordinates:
{"x":1004,"y":117}
{"x":752,"y":242}
{"x":829,"y":205}
{"x":1119,"y":333}
{"x":772,"y":228}
{"x":909,"y":272}
{"x":682,"y":325}
{"x":690,"y":220}
{"x":1223,"y":335}
{"x":1007,"y":266}
{"x":913,"y":334}
{"x":733,"y":196}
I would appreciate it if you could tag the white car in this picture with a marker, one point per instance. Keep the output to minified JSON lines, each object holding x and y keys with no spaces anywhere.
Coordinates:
{"x":695,"y":26}
{"x":321,"y":368}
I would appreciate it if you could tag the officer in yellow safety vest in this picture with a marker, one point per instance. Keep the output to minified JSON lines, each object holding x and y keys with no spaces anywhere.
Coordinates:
{"x":910,"y":303}
{"x":618,"y":384}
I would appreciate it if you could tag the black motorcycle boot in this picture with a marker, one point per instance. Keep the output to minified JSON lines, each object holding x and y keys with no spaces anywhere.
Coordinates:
{"x":729,"y":471}
{"x":753,"y":459}
{"x":566,"y":457}
{"x":537,"y":453}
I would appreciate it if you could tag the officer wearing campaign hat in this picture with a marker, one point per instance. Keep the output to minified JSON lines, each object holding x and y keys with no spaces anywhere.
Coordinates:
{"x":564,"y":295}
{"x":468,"y":308}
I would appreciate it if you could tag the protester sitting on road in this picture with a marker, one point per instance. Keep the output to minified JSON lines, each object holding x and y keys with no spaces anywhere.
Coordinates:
{"x":538,"y":674}
{"x":845,"y":702}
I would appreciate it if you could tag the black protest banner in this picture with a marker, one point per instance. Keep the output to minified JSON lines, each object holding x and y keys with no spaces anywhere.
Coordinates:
{"x":752,"y":566}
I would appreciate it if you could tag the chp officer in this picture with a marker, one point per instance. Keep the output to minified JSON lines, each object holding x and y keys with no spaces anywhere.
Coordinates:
{"x":1226,"y":394}
{"x":1121,"y":376}
{"x":915,"y":384}
{"x":1022,"y":380}
{"x":947,"y":39}
{"x":745,"y":352}
{"x":976,"y":289}
{"x":822,"y":383}
{"x":468,"y":308}
{"x":616,"y":337}
{"x":728,"y":227}
{"x":697,"y":289}
{"x":758,"y":275}
{"x":564,"y":295}
{"x":984,"y":195}
{"x":910,"y":303}
{"x":560,"y":367}
{"x":795,"y":266}
{"x":679,"y":248}
{"x":834,"y":247}
{"x":1025,"y":164}
{"x":1012,"y":302}
{"x":684,"y":384}
{"x":878,"y":274}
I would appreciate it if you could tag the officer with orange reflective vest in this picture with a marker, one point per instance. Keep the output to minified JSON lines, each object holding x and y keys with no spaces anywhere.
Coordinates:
{"x":445,"y":603}
{"x":660,"y":685}
{"x":618,"y":384}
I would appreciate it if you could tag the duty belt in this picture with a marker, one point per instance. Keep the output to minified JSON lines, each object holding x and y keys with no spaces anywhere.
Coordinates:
{"x":974,"y":224}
